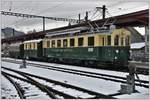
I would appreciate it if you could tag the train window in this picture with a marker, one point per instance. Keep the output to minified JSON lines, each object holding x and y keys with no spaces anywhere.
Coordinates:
{"x":103,"y":41}
{"x":65,"y":43}
{"x":48,"y":44}
{"x":80,"y":41}
{"x":58,"y":43}
{"x":26,"y":46}
{"x":53,"y":43}
{"x":90,"y":41}
{"x":30,"y":46}
{"x":122,"y":41}
{"x":116,"y":40}
{"x":108,"y":40}
{"x":33,"y":45}
{"x":72,"y":42}
{"x":127,"y":40}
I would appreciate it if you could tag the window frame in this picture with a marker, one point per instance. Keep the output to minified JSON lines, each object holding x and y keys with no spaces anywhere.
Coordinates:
{"x":116,"y":41}
{"x":72,"y":41}
{"x":122,"y":41}
{"x":65,"y":45}
{"x":48,"y":43}
{"x":53,"y":44}
{"x":93,"y":42}
{"x":127,"y":43}
{"x":58,"y":43}
{"x":109,"y":41}
{"x":80,"y":45}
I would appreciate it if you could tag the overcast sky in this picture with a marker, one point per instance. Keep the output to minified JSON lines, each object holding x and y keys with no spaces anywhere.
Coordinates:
{"x":63,"y":8}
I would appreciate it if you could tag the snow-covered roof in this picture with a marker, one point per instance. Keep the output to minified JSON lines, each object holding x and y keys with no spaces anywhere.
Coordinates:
{"x":137,"y":45}
{"x":33,"y":41}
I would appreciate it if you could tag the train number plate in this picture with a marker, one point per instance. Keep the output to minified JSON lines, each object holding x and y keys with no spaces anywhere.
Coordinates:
{"x":90,"y":49}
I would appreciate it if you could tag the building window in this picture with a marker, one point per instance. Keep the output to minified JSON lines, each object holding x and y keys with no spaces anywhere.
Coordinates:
{"x":108,"y":40}
{"x":48,"y":44}
{"x":65,"y":43}
{"x":122,"y":41}
{"x":80,"y":41}
{"x":58,"y":43}
{"x":71,"y":42}
{"x":90,"y":41}
{"x":53,"y":43}
{"x":127,"y":40}
{"x":116,"y":40}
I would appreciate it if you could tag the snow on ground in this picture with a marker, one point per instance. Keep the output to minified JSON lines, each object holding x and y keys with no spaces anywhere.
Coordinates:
{"x":98,"y":85}
{"x":116,"y":73}
{"x":31,"y":91}
{"x":8,"y":91}
{"x":72,"y":92}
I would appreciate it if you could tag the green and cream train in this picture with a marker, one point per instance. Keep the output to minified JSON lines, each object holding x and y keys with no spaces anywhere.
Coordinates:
{"x":81,"y":46}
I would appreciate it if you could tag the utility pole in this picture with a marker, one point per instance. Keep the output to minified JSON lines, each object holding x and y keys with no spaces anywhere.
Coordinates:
{"x":86,"y":17}
{"x":13,"y":32}
{"x":43,"y":23}
{"x":104,"y":11}
{"x":79,"y":18}
{"x":146,"y":42}
{"x":103,"y":8}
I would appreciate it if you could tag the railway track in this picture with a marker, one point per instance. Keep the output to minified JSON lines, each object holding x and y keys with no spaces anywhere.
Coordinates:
{"x":21,"y":91}
{"x":120,"y":79}
{"x":31,"y":79}
{"x":17,"y":86}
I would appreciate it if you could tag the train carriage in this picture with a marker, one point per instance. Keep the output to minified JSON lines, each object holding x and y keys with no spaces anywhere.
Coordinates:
{"x":81,"y":46}
{"x":107,"y":47}
{"x":33,"y":49}
{"x":14,"y":50}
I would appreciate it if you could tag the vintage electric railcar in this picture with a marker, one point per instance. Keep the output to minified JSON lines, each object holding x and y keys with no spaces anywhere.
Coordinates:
{"x":74,"y":46}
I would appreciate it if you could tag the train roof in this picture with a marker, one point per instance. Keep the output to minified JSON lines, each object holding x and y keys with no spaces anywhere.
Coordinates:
{"x":79,"y":31}
{"x":35,"y":41}
{"x":67,"y":31}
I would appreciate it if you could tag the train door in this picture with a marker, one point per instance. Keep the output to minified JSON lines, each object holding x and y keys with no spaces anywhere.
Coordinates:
{"x":21,"y":51}
{"x":39,"y":49}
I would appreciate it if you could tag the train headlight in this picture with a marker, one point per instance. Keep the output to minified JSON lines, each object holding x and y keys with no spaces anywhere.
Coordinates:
{"x":117,"y":51}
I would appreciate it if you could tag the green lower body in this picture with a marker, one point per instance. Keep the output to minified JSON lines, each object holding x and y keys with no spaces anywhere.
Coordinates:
{"x":30,"y":54}
{"x":102,"y":54}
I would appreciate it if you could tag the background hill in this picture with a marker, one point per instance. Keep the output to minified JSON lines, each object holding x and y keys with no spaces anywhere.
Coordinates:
{"x":9,"y":32}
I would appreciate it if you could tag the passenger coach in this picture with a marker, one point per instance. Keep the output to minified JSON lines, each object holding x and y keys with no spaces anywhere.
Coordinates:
{"x":80,"y":46}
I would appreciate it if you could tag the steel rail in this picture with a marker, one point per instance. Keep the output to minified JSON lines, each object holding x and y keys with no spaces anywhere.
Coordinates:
{"x":44,"y":88}
{"x":97,"y":95}
{"x":83,"y":73}
{"x":17,"y":86}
